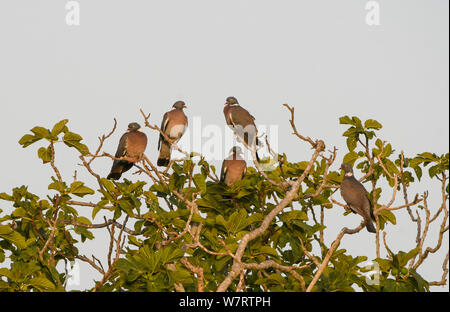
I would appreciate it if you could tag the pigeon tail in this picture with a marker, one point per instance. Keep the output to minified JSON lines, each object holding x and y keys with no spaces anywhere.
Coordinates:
{"x":372,"y":215}
{"x":118,"y":168}
{"x":114,"y":176}
{"x":369,"y":226}
{"x":163,"y":162}
{"x":164,"y":155}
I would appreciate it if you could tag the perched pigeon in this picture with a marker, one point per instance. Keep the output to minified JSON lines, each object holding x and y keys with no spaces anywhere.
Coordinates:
{"x":233,"y":168}
{"x":240,"y":121}
{"x":174,"y":125}
{"x":131,"y":147}
{"x":355,"y":195}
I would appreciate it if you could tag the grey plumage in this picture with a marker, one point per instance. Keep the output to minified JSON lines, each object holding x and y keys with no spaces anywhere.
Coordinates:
{"x":356,"y":196}
{"x":233,"y":168}
{"x":131,"y":147}
{"x":241,"y":122}
{"x":173,"y":125}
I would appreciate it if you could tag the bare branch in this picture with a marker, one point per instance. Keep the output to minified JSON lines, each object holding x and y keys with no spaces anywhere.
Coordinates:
{"x":291,"y":194}
{"x":330,"y":253}
{"x":198,"y":271}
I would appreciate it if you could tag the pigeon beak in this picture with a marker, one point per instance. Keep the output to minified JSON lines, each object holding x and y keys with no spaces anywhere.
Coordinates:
{"x":185,"y":106}
{"x":226,"y":103}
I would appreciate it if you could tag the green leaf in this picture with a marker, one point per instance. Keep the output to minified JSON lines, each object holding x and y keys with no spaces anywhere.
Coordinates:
{"x":7,"y":197}
{"x":5,"y":229}
{"x":28,"y":139}
{"x":83,"y":149}
{"x":372,"y":124}
{"x":421,"y":284}
{"x":73,"y":140}
{"x":430,"y":156}
{"x":352,"y":132}
{"x":244,"y":192}
{"x":390,"y":285}
{"x":117,"y":213}
{"x":302,"y":165}
{"x":237,"y":221}
{"x":45,"y":154}
{"x":391,"y":167}
{"x":346,"y":120}
{"x":58,"y":186}
{"x":84,"y":220}
{"x":433,"y":171}
{"x":385,"y":265}
{"x":7,"y":273}
{"x":387,"y":150}
{"x":294,"y":215}
{"x":200,"y":182}
{"x":351,"y":158}
{"x":138,"y":226}
{"x":96,"y":209}
{"x":415,"y":162}
{"x":72,"y":137}
{"x":41,"y":132}
{"x":308,"y":229}
{"x":59,"y":127}
{"x":19,"y":213}
{"x":357,"y":122}
{"x":418,"y":172}
{"x":268,"y":251}
{"x":16,"y":238}
{"x":403,"y":257}
{"x":274,"y":278}
{"x":134,"y":241}
{"x":84,"y":233}
{"x":109,"y":186}
{"x":126,"y":206}
{"x":205,"y":203}
{"x":351,"y":143}
{"x":388,"y":215}
{"x":77,"y":188}
{"x":41,"y":283}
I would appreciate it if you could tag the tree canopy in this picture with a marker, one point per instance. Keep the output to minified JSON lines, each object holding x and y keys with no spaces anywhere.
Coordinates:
{"x":181,"y":229}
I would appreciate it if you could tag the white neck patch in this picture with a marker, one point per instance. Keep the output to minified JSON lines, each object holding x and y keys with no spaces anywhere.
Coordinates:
{"x":349,"y":174}
{"x":233,"y":156}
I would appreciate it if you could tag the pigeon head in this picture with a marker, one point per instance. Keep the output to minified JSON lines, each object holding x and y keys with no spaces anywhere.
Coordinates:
{"x":236,"y":150}
{"x":179,"y":105}
{"x":348,"y":170}
{"x":232,"y":101}
{"x":134,"y":126}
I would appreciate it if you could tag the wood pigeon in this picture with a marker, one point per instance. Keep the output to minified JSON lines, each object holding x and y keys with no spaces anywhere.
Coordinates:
{"x":233,"y":167}
{"x":131,"y":146}
{"x":356,"y":196}
{"x":174,"y":125}
{"x":241,"y":121}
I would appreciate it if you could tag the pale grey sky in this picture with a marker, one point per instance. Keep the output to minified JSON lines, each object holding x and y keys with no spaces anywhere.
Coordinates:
{"x":319,"y":56}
